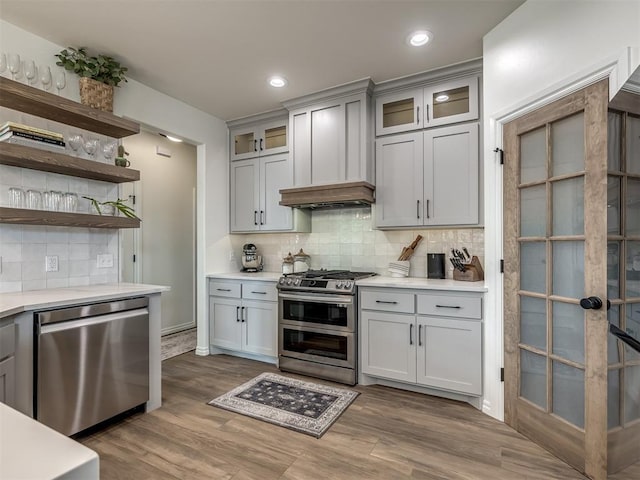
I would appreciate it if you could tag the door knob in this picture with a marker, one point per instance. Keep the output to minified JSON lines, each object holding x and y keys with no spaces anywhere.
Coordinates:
{"x":591,"y":303}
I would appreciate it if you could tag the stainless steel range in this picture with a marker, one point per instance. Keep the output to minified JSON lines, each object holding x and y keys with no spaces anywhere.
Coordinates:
{"x":317,"y":323}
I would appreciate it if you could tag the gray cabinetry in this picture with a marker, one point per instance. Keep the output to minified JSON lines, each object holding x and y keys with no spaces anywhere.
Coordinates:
{"x":428,"y":178}
{"x":257,"y":137}
{"x":434,"y":341}
{"x":330,"y":136}
{"x":7,"y":364}
{"x":243,"y":317}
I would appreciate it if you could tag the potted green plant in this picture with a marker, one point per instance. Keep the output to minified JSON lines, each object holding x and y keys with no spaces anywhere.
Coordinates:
{"x":112,"y":207}
{"x":98,"y":75}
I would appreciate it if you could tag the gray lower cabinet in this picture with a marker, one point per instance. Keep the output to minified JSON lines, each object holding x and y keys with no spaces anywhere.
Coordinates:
{"x":428,"y":178}
{"x":243,"y":316}
{"x":431,"y":339}
{"x":7,"y":364}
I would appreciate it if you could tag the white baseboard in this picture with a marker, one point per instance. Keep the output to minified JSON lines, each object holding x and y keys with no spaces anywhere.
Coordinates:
{"x":202,"y":351}
{"x":177,"y":328}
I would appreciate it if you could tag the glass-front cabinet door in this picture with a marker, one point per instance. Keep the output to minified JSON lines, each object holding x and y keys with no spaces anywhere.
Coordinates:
{"x":455,"y":101}
{"x":400,"y":112}
{"x":257,"y":140}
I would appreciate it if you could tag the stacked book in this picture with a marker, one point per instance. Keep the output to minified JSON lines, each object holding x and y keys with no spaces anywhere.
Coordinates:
{"x":12,"y":132}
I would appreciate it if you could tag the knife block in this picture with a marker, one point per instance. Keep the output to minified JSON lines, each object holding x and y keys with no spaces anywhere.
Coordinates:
{"x":472,"y":271}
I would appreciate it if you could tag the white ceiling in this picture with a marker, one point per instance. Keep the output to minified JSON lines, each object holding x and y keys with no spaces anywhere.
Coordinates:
{"x":217,"y":54}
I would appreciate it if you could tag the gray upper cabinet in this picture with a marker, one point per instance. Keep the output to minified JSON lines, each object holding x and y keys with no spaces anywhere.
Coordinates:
{"x":258,"y":138}
{"x":422,"y":107}
{"x":255,"y":199}
{"x":330,"y":136}
{"x":428,"y":178}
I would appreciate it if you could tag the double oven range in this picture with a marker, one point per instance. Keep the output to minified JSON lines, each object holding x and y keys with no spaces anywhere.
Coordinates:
{"x":317,"y":324}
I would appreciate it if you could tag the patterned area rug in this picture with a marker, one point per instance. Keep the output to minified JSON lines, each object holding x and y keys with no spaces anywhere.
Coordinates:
{"x":305,"y":407}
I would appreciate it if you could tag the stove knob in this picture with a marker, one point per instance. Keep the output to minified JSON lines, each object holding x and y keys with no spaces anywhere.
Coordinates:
{"x":347,"y":284}
{"x":282,"y":280}
{"x":339,"y":284}
{"x":289,"y":281}
{"x":297,"y":281}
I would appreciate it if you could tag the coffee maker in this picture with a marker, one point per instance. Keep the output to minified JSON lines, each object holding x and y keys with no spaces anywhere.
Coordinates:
{"x":251,"y":261}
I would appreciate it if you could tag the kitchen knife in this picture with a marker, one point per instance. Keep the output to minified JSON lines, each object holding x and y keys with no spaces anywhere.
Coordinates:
{"x":466,"y":252}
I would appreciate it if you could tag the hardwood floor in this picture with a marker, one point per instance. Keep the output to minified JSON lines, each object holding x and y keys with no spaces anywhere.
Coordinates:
{"x":385,"y":434}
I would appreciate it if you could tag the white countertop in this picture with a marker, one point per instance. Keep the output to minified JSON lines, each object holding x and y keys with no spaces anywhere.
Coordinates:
{"x":258,"y":276}
{"x":30,"y":450}
{"x":422,"y":284}
{"x":18,"y":302}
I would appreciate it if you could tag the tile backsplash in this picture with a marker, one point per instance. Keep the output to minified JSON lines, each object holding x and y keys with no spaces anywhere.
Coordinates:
{"x":345,"y":238}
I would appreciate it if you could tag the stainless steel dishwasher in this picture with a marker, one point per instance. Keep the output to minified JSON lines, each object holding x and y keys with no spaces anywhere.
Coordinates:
{"x":92,"y":363}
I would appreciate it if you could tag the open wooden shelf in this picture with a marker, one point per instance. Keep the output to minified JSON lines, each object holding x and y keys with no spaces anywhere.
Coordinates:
{"x":24,"y":216}
{"x":24,"y":98}
{"x":53,"y":162}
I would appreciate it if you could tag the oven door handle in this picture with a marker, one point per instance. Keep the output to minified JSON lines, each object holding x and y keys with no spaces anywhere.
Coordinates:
{"x":310,"y":297}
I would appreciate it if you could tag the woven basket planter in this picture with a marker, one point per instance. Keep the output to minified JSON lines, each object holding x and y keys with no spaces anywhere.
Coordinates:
{"x":96,"y":94}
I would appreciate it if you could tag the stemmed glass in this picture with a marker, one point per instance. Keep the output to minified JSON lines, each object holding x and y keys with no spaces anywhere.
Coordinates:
{"x":75,"y":141}
{"x":14,"y":65}
{"x":61,"y":80}
{"x":45,"y":77}
{"x":91,"y":146}
{"x":30,"y":72}
{"x":109,"y":149}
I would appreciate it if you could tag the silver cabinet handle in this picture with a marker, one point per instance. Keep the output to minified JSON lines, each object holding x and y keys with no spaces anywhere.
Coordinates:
{"x":411,"y":334}
{"x":261,"y":293}
{"x":418,"y":114}
{"x":418,"y":208}
{"x":448,"y":306}
{"x":242,"y":317}
{"x":419,"y":335}
{"x":223,"y":289}
{"x":427,"y":208}
{"x":383,"y":301}
{"x":237,"y":314}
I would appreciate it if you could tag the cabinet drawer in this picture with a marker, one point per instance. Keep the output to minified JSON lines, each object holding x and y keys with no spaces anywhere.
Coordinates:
{"x":388,"y":301}
{"x":7,"y":341}
{"x":450,"y":306}
{"x":260,"y":291}
{"x":224,"y":289}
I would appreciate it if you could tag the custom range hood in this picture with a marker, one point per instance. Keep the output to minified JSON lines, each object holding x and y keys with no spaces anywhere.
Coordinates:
{"x":332,"y":195}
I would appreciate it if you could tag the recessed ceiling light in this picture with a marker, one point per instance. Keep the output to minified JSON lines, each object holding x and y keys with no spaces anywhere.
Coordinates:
{"x":442,"y":98}
{"x":277,"y":82}
{"x":419,"y":38}
{"x":173,"y":139}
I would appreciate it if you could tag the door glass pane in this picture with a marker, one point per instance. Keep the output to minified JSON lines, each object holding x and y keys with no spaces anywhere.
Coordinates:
{"x":614,"y":347}
{"x":244,"y":143}
{"x":568,"y":331}
{"x":633,"y":207}
{"x":533,"y":322}
{"x":275,"y":137}
{"x":533,"y":267}
{"x":613,"y":270}
{"x":314,"y":343}
{"x":632,"y":327}
{"x":632,"y":268}
{"x":450,"y":102}
{"x":613,"y":205}
{"x":568,"y":207}
{"x":633,"y":144}
{"x":631,"y":393}
{"x":613,"y":399}
{"x":533,"y":207}
{"x":533,"y":378}
{"x":568,"y":393}
{"x":332,"y":314}
{"x":567,"y":143}
{"x":614,"y":141}
{"x":568,"y":269}
{"x":398,"y":113}
{"x":533,"y":156}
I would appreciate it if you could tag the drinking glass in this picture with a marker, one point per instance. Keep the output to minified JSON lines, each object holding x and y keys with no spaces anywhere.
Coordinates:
{"x":109,"y":149}
{"x":91,"y":146}
{"x":31,"y":72}
{"x":61,"y":80}
{"x":34,"y":199}
{"x":16,"y":197}
{"x":15,"y":64}
{"x":52,"y":200}
{"x":69,"y":202}
{"x":45,"y":77}
{"x":75,"y":141}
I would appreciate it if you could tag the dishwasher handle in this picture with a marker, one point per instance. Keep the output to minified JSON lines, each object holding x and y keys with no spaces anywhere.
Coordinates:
{"x":91,"y":310}
{"x":85,"y":322}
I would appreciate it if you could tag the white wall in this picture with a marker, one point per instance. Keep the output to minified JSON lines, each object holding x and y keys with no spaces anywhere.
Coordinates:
{"x":145,"y":105}
{"x":539,"y":50}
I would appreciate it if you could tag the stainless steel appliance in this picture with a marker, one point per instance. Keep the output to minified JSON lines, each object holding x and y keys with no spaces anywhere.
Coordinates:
{"x":317,"y":324}
{"x":251,"y":261}
{"x":92,"y":363}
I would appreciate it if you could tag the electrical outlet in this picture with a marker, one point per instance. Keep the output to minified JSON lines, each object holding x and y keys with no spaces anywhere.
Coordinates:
{"x":105,"y":260}
{"x":51,"y":263}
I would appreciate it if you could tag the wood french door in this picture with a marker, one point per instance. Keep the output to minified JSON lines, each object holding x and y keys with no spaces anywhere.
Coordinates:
{"x":572,"y":269}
